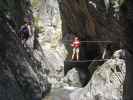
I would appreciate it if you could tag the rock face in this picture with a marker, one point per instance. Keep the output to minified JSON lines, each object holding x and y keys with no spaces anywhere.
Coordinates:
{"x":106,"y":82}
{"x":128,"y":82}
{"x":47,"y":18}
{"x":89,"y":20}
{"x":72,"y":78}
{"x":22,"y":75}
{"x":24,"y":71}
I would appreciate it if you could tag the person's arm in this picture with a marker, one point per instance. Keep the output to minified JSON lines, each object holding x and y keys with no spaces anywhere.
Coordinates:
{"x":21,"y":28}
{"x":29,"y":28}
{"x":72,"y":44}
{"x":20,"y":31}
{"x":104,"y":53}
{"x":79,"y":43}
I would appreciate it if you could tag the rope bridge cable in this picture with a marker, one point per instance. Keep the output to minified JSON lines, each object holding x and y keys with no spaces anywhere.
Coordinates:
{"x":89,"y":41}
{"x":85,"y":60}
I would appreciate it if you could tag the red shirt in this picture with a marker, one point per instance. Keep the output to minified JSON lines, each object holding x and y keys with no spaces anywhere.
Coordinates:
{"x":76,"y":44}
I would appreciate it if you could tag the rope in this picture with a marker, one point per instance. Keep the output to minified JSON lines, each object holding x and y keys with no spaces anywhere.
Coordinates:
{"x":86,"y":60}
{"x":89,"y":41}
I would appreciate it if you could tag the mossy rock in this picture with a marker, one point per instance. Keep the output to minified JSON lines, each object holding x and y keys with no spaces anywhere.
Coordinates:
{"x":35,"y":2}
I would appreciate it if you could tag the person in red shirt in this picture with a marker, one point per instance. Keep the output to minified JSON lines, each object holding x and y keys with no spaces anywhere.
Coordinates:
{"x":76,"y":47}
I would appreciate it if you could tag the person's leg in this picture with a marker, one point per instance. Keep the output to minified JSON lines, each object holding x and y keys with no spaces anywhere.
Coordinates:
{"x":24,"y":42}
{"x":77,"y":53}
{"x":74,"y":50}
{"x":104,"y":53}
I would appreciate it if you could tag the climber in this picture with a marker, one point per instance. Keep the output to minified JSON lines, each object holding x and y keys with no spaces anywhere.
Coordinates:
{"x":24,"y":32}
{"x":76,"y":47}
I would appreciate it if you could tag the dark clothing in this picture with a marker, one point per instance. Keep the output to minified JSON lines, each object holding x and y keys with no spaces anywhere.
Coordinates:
{"x":24,"y":33}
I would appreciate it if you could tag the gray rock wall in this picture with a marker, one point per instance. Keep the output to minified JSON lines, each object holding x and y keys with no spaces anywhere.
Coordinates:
{"x":47,"y":18}
{"x":21,"y":77}
{"x":91,"y":22}
{"x":129,"y":61}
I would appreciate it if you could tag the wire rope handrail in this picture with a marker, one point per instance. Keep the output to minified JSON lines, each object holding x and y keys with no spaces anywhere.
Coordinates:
{"x":85,"y":60}
{"x":89,"y":41}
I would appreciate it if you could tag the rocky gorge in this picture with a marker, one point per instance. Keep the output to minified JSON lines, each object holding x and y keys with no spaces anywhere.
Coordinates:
{"x":42,"y":70}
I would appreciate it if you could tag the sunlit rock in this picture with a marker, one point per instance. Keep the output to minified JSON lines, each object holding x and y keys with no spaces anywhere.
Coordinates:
{"x":48,"y":19}
{"x":106,"y":82}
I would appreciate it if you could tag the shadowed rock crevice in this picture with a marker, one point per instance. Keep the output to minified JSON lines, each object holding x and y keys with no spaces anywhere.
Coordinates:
{"x":127,"y":95}
{"x":81,"y":67}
